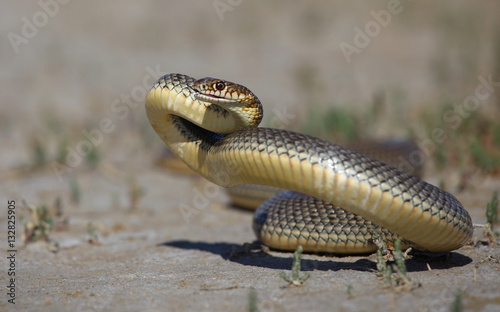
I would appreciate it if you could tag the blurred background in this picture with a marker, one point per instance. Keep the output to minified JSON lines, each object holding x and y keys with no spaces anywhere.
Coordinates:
{"x":79,"y":157}
{"x":333,"y":69}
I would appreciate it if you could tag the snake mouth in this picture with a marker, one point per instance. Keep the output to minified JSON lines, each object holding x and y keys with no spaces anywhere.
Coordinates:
{"x":213,"y":99}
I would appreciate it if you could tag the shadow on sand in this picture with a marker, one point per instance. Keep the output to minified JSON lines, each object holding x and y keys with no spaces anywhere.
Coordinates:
{"x":323,"y":262}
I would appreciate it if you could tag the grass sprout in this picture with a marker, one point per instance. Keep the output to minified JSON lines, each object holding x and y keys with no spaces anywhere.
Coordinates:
{"x":492,"y":210}
{"x":39,"y":153}
{"x":93,"y":237}
{"x":296,"y":279}
{"x":39,"y":225}
{"x":252,"y":300}
{"x":391,"y":265}
{"x":75,"y":191}
{"x":457,"y":305}
{"x":135,"y":193}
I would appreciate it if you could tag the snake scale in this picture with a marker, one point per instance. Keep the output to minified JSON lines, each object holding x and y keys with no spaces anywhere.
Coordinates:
{"x":339,"y":199}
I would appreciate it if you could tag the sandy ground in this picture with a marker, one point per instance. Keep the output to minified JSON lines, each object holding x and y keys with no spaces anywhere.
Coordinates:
{"x":85,"y":68}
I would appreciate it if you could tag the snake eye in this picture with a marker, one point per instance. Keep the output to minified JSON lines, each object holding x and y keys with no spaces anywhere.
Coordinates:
{"x":220,"y":85}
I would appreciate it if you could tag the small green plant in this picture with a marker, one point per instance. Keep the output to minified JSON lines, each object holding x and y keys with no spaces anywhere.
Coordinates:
{"x":62,"y":151}
{"x":75,"y":192}
{"x":93,"y":157}
{"x":39,"y":153}
{"x":335,"y":122}
{"x":92,"y":234}
{"x":382,"y":264}
{"x":135,"y":193}
{"x":40,"y":224}
{"x":296,"y":279}
{"x":441,"y":156}
{"x":383,"y":269}
{"x":252,"y":300}
{"x":395,"y":274}
{"x":474,"y":142}
{"x":350,"y":289}
{"x":496,"y":134}
{"x":52,"y":120}
{"x":457,"y":305}
{"x":492,"y":210}
{"x":402,"y":277}
{"x":486,"y":160}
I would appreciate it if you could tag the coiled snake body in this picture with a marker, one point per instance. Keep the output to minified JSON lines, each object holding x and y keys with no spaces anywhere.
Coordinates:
{"x":211,"y":124}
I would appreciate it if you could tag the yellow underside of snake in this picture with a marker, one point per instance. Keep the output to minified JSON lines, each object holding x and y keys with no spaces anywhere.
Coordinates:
{"x":339,"y":199}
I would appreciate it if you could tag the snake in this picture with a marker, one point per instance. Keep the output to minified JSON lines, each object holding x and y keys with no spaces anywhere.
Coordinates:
{"x":337,"y":200}
{"x":250,"y":196}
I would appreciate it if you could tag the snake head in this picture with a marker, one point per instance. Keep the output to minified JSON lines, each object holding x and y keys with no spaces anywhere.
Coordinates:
{"x":229,"y":96}
{"x":220,"y":91}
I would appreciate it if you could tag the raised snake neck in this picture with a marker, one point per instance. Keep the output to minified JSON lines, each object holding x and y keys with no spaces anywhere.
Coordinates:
{"x":211,"y":125}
